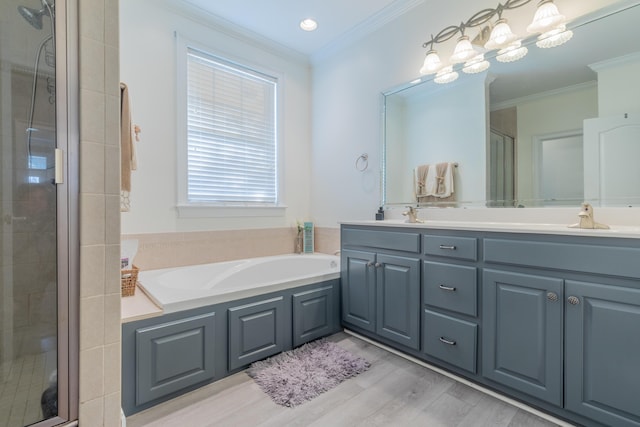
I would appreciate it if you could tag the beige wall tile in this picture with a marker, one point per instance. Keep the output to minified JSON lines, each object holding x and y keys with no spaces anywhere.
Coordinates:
{"x":92,"y":19}
{"x":92,"y":413}
{"x":112,"y":132}
{"x":92,"y":273}
{"x":91,"y":376}
{"x":92,"y":322}
{"x":92,"y":219}
{"x":112,"y":70}
{"x":112,"y":170}
{"x":92,"y":58}
{"x":112,"y":269}
{"x":112,"y":318}
{"x":112,"y":410}
{"x":112,"y":220}
{"x":112,"y":355}
{"x":92,"y":113}
{"x":92,"y":167}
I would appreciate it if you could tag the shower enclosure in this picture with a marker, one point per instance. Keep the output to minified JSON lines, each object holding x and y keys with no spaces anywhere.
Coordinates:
{"x":34,"y":354}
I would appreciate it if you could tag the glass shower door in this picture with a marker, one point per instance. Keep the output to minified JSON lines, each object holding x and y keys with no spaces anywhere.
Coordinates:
{"x":28,"y":275}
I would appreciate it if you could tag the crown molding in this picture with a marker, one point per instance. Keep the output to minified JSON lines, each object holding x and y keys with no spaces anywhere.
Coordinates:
{"x":632,"y":58}
{"x":536,"y":96}
{"x":221,"y":25}
{"x":373,"y":23}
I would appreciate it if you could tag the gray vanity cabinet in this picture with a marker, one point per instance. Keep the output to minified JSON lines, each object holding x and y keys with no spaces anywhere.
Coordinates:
{"x":256,"y":331}
{"x":522,"y":333}
{"x":358,"y":289}
{"x":603,"y":352}
{"x":381,"y":285}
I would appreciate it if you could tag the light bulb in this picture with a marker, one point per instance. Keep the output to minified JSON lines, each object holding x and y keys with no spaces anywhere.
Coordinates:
{"x":512,"y":52}
{"x":554,"y":38}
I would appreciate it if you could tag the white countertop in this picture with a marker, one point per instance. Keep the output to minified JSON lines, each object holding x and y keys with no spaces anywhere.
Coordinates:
{"x":624,"y":231}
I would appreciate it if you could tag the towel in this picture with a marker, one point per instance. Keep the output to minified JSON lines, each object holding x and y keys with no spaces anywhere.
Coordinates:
{"x":434,"y":183}
{"x":128,"y":161}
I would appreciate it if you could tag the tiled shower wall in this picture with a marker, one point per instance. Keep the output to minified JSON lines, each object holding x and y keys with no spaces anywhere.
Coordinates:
{"x":99,"y":392}
{"x":164,"y":250}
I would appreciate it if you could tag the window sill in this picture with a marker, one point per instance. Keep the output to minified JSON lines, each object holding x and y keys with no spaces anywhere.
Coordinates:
{"x":232,"y":211}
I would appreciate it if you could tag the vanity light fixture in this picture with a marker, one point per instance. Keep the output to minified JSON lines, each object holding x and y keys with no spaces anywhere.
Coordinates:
{"x":308,"y":24}
{"x":547,"y":22}
{"x":476,"y":65}
{"x":446,"y":75}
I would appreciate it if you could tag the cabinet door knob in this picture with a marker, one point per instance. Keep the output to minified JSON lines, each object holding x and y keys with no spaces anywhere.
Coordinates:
{"x":447,"y":288}
{"x":573,"y":300}
{"x":378,"y":265}
{"x":369,"y":264}
{"x":448,"y":247}
{"x":552,"y":296}
{"x":446,"y":341}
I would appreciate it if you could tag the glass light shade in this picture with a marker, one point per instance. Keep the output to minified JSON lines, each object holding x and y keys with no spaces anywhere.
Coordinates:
{"x":431,"y":63}
{"x":463,"y":51}
{"x":446,"y":75}
{"x":501,"y":36}
{"x":513,"y":52}
{"x":546,"y":18}
{"x":308,"y":24}
{"x":476,"y":65}
{"x":556,"y":37}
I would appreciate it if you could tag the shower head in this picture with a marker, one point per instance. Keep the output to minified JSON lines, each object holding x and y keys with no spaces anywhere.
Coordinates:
{"x":33,"y":16}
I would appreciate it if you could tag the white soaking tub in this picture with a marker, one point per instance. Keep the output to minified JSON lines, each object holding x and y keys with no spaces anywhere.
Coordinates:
{"x":182,"y":288}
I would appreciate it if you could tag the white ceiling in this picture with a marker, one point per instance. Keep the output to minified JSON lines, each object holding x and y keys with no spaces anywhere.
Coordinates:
{"x":336,"y":18}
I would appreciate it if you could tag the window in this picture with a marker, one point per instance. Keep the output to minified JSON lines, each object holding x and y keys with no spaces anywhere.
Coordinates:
{"x":230,"y":157}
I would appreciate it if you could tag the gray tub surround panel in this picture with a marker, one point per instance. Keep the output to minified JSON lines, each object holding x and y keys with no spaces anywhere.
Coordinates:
{"x":314,"y":314}
{"x":166,"y":356}
{"x":548,"y":319}
{"x":159,"y":371}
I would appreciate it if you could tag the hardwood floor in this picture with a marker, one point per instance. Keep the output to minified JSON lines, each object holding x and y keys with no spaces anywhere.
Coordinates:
{"x":393,"y":392}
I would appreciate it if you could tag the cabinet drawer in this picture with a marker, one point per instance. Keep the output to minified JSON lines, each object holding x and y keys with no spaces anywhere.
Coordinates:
{"x":587,"y":258}
{"x":393,"y":240}
{"x":450,"y":339}
{"x":451,"y":287}
{"x":451,"y":247}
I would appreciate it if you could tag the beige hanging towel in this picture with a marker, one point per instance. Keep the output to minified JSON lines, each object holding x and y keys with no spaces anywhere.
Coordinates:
{"x":128,"y":161}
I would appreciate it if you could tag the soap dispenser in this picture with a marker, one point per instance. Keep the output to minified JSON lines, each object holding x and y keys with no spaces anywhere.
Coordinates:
{"x":380,"y":214}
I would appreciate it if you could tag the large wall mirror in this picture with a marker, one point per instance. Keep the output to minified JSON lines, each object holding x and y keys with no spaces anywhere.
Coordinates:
{"x":554,"y":129}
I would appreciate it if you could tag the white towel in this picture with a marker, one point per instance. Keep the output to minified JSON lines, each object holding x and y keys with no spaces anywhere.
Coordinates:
{"x":431,"y":183}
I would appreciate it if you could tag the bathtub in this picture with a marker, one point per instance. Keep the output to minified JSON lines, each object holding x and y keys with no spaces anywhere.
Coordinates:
{"x":182,"y":288}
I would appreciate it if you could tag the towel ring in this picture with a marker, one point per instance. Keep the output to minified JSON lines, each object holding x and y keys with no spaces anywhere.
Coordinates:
{"x":362,"y":162}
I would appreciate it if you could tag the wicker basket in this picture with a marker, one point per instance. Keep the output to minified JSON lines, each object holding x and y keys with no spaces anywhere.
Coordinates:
{"x":128,"y":281}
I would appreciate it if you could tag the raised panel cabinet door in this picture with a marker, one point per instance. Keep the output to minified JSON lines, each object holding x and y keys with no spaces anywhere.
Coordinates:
{"x":522,"y":333}
{"x":174,"y":355}
{"x":603,"y":352}
{"x":256,"y":331}
{"x":358,"y":288}
{"x":398,"y":299}
{"x":314,"y":314}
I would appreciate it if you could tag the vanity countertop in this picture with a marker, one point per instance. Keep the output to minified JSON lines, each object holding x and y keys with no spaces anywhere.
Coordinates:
{"x":624,"y":231}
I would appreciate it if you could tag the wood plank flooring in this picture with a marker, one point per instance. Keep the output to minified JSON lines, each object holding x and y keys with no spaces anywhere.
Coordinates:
{"x":393,"y":392}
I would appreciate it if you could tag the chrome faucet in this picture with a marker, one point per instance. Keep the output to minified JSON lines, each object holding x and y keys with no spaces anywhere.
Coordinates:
{"x":412,"y":215}
{"x":586,"y":219}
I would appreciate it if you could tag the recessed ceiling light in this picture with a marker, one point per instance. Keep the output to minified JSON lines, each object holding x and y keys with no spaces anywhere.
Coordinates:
{"x":308,"y":24}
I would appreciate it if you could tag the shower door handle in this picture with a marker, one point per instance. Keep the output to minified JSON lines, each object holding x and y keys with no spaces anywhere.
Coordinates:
{"x":59,"y":166}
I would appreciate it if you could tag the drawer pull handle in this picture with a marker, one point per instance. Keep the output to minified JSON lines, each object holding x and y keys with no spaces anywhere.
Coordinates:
{"x":446,"y":341}
{"x":447,"y":288}
{"x":448,"y":247}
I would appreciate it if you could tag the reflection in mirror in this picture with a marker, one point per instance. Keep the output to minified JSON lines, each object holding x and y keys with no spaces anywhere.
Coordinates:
{"x":518,"y":132}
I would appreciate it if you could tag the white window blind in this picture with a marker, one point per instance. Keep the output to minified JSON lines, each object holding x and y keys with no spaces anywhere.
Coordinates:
{"x":231,"y":133}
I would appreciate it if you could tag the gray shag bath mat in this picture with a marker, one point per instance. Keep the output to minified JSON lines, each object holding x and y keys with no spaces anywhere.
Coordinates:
{"x":299,"y":375}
